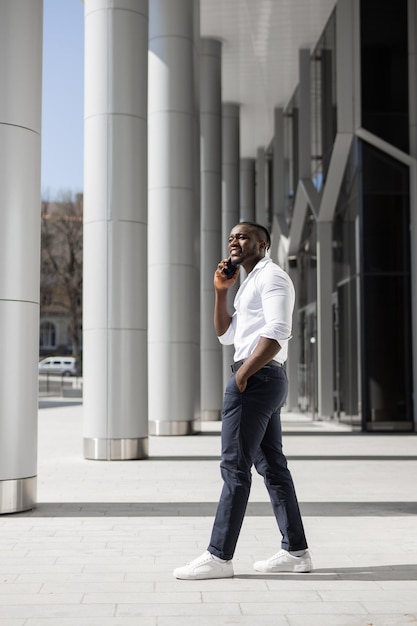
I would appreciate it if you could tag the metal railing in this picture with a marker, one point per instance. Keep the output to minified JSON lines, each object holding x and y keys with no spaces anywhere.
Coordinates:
{"x":64,"y":386}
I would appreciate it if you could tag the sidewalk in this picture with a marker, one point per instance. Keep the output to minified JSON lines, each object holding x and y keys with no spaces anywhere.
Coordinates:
{"x":100,"y":548}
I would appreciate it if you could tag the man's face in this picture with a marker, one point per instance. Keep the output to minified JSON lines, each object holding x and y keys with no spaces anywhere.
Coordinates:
{"x":244,"y":245}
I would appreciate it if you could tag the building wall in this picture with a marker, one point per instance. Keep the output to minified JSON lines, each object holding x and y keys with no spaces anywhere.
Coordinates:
{"x":359,"y":188}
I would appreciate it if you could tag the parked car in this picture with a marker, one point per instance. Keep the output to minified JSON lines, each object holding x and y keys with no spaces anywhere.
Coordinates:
{"x":62,"y":365}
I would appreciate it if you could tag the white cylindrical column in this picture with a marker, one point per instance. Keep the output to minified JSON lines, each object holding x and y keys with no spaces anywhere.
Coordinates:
{"x":173,"y":261}
{"x":278,"y":171}
{"x":261,"y":217}
{"x":304,"y":119}
{"x":20,"y":188}
{"x":291,"y":402}
{"x":211,"y":214}
{"x":325,"y":319}
{"x":230,"y":198}
{"x":247,"y":190}
{"x":230,"y":168}
{"x":115,"y":230}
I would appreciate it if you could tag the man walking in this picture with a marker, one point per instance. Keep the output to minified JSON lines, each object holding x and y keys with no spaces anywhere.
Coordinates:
{"x":260,"y":329}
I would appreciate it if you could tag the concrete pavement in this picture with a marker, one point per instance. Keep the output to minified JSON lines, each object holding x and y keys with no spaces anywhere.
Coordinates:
{"x":100,"y":548}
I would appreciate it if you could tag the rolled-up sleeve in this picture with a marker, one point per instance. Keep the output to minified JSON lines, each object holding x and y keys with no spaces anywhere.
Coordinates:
{"x":229,"y":336}
{"x":278,"y":304}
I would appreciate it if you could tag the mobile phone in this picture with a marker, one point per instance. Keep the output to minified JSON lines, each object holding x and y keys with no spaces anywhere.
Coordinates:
{"x":230,"y":270}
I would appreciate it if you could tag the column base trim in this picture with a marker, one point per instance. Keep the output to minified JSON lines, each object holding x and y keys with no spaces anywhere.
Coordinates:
{"x":210,"y":416}
{"x":17,"y":495}
{"x":174,"y":428}
{"x":97,"y":449}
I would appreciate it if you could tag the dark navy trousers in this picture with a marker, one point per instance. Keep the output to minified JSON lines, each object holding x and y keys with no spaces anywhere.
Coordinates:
{"x":251,"y":435}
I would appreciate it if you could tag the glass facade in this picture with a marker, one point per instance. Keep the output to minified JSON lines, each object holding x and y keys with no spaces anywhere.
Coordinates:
{"x":346,"y":383}
{"x":290,"y":154}
{"x":385,"y":290}
{"x":371,"y":248}
{"x":323,"y":132}
{"x":323,"y":103}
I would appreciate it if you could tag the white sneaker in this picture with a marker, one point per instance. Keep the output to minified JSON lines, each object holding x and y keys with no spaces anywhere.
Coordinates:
{"x":283,"y":561}
{"x":205,"y":566}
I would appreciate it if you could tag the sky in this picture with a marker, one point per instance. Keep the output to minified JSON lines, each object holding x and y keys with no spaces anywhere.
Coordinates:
{"x":62,"y":98}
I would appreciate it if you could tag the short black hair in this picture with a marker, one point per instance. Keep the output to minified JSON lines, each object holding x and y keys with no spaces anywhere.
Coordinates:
{"x":259,"y":227}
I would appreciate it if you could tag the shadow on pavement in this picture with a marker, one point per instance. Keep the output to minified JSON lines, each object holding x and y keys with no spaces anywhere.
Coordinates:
{"x":373,"y":572}
{"x":53,"y":404}
{"x":208,"y":509}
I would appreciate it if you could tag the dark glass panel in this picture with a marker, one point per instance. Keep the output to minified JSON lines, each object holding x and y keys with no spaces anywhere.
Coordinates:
{"x":385,"y":213}
{"x":346,"y":350}
{"x":382,"y":173}
{"x":384,"y":70}
{"x":385,"y":234}
{"x":323,"y":103}
{"x":385,"y":290}
{"x":387,"y":349}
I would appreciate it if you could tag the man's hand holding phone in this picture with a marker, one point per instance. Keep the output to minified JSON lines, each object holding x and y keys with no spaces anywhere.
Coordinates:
{"x":230,"y":269}
{"x":226,"y":274}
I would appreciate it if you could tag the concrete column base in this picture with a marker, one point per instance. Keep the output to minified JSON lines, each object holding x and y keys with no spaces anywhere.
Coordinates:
{"x":208,"y":415}
{"x":179,"y":428}
{"x":17,"y":495}
{"x":116,"y":449}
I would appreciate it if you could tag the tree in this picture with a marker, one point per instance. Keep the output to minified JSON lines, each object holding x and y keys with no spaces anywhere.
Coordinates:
{"x":61,"y":262}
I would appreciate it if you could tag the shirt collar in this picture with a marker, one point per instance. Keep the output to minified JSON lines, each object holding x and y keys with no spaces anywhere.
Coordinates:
{"x":261,"y":263}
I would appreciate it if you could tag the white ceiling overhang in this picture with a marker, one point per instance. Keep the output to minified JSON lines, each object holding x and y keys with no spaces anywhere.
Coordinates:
{"x":261,"y":40}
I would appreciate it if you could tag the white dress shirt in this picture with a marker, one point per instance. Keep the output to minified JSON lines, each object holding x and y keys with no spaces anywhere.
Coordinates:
{"x":264,"y":306}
